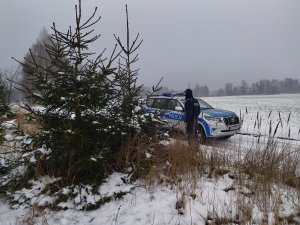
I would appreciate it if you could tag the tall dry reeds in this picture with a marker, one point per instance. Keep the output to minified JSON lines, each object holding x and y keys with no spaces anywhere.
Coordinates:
{"x":264,"y":174}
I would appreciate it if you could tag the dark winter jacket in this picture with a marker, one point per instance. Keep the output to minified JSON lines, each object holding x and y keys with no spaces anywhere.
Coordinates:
{"x":192,"y":109}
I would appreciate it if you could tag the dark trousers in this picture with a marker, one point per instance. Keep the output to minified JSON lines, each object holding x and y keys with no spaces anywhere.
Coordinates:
{"x":192,"y":129}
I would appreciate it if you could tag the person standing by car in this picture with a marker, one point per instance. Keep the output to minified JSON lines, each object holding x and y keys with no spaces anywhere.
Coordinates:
{"x":192,"y":111}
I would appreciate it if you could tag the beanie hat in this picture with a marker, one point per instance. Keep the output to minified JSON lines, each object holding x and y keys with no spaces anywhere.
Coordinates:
{"x":188,"y":93}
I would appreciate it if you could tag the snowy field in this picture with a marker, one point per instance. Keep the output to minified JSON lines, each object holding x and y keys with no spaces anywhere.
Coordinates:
{"x":258,"y":111}
{"x":156,"y":205}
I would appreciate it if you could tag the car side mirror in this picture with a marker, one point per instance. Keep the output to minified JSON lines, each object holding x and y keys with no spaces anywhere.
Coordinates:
{"x":178,"y":108}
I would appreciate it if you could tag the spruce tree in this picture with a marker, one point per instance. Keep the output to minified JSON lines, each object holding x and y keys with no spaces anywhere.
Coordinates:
{"x":77,"y":93}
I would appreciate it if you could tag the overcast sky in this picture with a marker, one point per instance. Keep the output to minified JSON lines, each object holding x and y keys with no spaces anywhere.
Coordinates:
{"x":210,"y":42}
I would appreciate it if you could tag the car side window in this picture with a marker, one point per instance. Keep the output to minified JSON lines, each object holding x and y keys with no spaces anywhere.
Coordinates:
{"x":149,"y":102}
{"x":172,"y":103}
{"x":203,"y":104}
{"x":160,"y":103}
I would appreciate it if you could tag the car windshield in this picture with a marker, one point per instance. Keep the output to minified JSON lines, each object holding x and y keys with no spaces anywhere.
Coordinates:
{"x":203,"y":104}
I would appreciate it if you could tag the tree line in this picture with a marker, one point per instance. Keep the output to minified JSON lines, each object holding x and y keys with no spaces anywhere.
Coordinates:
{"x":261,"y":87}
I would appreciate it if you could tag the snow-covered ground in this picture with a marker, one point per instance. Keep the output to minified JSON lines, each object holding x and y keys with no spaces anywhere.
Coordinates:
{"x":157,"y":205}
{"x":258,"y":111}
{"x":220,"y":196}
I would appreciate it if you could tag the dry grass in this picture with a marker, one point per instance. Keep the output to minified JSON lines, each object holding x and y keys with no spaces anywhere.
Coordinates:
{"x":35,"y":215}
{"x":259,"y":175}
{"x":24,"y":125}
{"x":277,"y":162}
{"x":274,"y":164}
{"x":25,"y":121}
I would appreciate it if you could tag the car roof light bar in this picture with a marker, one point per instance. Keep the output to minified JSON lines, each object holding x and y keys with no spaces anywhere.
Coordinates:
{"x":168,"y":94}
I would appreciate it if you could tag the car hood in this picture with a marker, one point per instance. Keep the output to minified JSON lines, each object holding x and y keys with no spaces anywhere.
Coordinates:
{"x":218,"y":113}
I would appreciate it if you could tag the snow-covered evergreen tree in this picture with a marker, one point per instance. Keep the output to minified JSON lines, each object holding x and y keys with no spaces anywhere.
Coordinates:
{"x":84,"y":106}
{"x":80,"y":122}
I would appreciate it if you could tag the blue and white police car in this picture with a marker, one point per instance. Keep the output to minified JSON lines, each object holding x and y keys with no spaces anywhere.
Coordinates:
{"x":213,"y":122}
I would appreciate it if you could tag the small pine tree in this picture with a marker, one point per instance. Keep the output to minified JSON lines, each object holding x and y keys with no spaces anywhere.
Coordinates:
{"x":78,"y":95}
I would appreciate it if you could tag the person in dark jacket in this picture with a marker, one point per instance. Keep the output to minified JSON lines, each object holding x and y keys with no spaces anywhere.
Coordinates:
{"x":192,"y":111}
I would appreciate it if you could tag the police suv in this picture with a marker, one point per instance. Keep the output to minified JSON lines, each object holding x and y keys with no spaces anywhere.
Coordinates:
{"x":212,"y":122}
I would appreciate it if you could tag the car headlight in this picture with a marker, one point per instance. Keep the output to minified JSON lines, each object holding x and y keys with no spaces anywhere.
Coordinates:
{"x":214,"y":119}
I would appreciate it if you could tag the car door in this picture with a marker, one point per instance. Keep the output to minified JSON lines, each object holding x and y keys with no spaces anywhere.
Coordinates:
{"x":160,"y":107}
{"x":164,"y":108}
{"x":175,"y":114}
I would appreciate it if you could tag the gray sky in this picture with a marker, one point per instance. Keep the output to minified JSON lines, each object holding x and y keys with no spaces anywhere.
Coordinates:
{"x":209,"y":42}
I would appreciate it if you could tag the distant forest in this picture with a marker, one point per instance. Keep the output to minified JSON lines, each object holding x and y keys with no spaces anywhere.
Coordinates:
{"x":262,"y":87}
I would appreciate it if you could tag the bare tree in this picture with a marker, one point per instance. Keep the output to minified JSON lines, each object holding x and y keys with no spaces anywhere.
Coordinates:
{"x":10,"y":78}
{"x":37,"y":54}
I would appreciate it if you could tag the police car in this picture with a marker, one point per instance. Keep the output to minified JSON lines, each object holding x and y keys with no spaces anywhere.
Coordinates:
{"x":212,"y":122}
